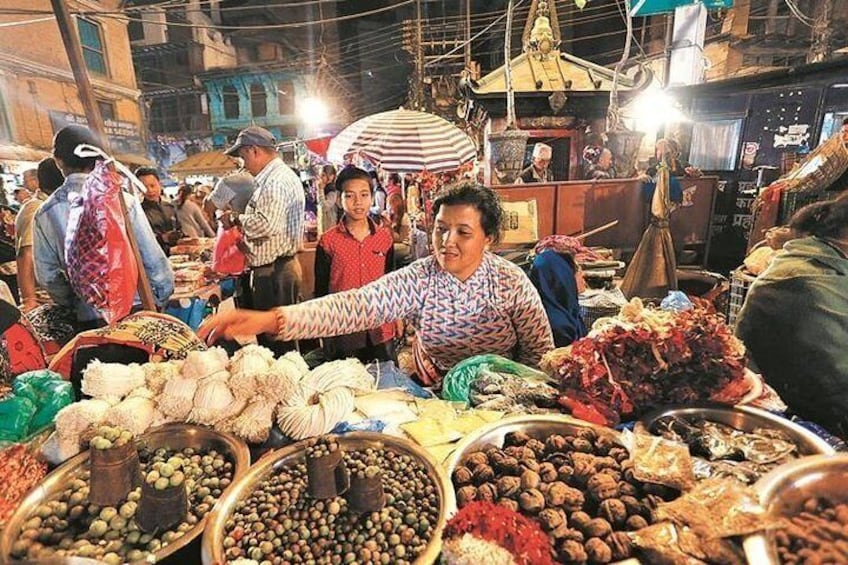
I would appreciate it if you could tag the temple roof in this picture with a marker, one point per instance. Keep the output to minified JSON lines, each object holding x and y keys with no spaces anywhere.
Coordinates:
{"x":543,"y":69}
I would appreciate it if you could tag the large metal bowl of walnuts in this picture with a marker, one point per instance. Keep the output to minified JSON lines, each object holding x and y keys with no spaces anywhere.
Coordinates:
{"x":270,"y":515}
{"x":571,"y":476}
{"x":809,"y":502}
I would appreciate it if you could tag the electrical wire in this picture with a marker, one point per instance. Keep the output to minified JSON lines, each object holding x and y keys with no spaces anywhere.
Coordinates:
{"x":806,"y":20}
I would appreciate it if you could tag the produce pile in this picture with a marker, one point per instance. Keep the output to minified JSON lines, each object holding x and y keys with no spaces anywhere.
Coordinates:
{"x":580,"y":487}
{"x":242,"y":395}
{"x":68,"y":524}
{"x":644,"y":358}
{"x":817,"y":534}
{"x":280,"y":522}
{"x":20,"y":471}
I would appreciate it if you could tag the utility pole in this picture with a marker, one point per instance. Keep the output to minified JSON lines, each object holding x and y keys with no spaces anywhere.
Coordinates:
{"x":468,"y":34}
{"x":419,"y":58}
{"x":70,"y":38}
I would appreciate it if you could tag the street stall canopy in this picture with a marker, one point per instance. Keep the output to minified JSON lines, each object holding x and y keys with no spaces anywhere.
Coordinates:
{"x":205,"y":163}
{"x":15,"y":152}
{"x":134,"y":159}
{"x":405,"y":141}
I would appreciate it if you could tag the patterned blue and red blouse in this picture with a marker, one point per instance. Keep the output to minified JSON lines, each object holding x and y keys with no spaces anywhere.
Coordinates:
{"x":344,"y":263}
{"x":496,"y":310}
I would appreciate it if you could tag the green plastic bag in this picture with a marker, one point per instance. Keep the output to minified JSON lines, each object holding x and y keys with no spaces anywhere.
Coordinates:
{"x":456,"y":385}
{"x":36,"y":385}
{"x":60,"y":394}
{"x":16,"y":412}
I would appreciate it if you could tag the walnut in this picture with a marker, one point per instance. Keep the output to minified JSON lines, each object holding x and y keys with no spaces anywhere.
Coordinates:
{"x":579,"y":519}
{"x":616,"y":475}
{"x":587,"y":433}
{"x":466,"y":494}
{"x":627,"y":489}
{"x":508,"y":503}
{"x":519,"y":452}
{"x":476,"y":458}
{"x":529,"y":463}
{"x":560,"y":494}
{"x":496,"y":458}
{"x":572,"y":534}
{"x":634,"y":507}
{"x":620,"y":545}
{"x":583,"y":445}
{"x":508,"y":465}
{"x":602,"y":463}
{"x":652,"y":501}
{"x":555,"y":443}
{"x":551,"y":518}
{"x":509,"y":486}
{"x":598,"y":551}
{"x":565,"y":473}
{"x":597,"y":528}
{"x":613,"y":511}
{"x":583,"y":471}
{"x":548,"y":472}
{"x":462,"y":476}
{"x":530,"y":479}
{"x":559,"y":459}
{"x":560,"y":532}
{"x":537,"y":446}
{"x":636,"y":522}
{"x":487,"y":492}
{"x":516,"y":438}
{"x":604,"y":444}
{"x":483,"y":474}
{"x":571,"y":551}
{"x":627,"y":471}
{"x":620,"y":454}
{"x":602,"y":486}
{"x":531,"y":501}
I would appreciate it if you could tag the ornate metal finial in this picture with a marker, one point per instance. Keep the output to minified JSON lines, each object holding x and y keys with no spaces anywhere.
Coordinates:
{"x":542,"y":36}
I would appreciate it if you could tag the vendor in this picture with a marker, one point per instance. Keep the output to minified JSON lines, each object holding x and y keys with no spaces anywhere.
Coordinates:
{"x":793,"y":321}
{"x":539,"y":169}
{"x":161,"y":214}
{"x":559,"y":280}
{"x":463,"y":301}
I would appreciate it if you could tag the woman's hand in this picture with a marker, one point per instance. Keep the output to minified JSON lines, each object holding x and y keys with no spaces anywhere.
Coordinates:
{"x":238,"y":323}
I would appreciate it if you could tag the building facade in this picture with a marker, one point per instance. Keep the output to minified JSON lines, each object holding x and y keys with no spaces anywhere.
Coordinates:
{"x":38,"y":94}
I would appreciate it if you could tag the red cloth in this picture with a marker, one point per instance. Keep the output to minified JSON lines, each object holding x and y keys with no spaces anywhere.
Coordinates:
{"x":343,"y":263}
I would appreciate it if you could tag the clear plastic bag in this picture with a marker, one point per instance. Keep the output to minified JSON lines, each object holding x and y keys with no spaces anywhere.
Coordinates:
{"x":456,"y":385}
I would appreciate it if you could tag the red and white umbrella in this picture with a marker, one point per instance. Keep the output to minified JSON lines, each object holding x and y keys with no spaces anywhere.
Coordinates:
{"x":405,"y":141}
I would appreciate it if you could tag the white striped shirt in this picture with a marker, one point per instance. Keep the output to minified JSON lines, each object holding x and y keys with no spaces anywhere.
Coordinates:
{"x":274,"y":220}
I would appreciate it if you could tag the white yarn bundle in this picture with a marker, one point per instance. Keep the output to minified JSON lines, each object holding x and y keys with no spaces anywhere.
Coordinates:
{"x":134,"y":414}
{"x":157,"y":374}
{"x":254,"y":423}
{"x":111,"y":380}
{"x":177,"y":397}
{"x":72,"y":420}
{"x":251,"y":360}
{"x":200,"y":364}
{"x":213,"y":400}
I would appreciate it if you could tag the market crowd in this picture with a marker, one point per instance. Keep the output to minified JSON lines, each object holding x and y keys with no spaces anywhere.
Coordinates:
{"x":389,"y":264}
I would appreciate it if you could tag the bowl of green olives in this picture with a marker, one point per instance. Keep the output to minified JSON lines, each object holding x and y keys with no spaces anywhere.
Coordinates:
{"x":270,"y":516}
{"x":57,"y":521}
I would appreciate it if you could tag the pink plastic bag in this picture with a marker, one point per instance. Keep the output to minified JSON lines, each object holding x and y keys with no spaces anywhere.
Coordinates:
{"x":102,"y":269}
{"x":227,"y":258}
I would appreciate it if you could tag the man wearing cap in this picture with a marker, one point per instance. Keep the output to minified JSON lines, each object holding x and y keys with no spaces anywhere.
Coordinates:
{"x":272,"y":224}
{"x":539,"y":170}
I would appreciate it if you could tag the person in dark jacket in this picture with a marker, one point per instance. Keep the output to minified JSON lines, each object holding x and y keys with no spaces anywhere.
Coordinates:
{"x":555,"y":276}
{"x":794,"y":321}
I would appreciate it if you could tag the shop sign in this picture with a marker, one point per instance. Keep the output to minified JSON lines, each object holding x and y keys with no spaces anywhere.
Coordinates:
{"x":651,"y":7}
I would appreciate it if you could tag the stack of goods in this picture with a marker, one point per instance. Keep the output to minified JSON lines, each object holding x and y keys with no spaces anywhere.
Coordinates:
{"x":644,"y":358}
{"x":188,"y":277}
{"x":483,"y":532}
{"x":317,"y":523}
{"x":68,"y":524}
{"x":21,"y":471}
{"x":32,"y":404}
{"x":196,"y":248}
{"x":579,"y":487}
{"x":242,"y":395}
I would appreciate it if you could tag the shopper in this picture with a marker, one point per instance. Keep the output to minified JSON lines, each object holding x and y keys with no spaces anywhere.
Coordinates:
{"x":51,"y":223}
{"x":161,"y":215}
{"x":272,"y":224}
{"x":355,"y":252}
{"x":462,"y":301}
{"x":190,"y":217}
{"x":794,"y":321}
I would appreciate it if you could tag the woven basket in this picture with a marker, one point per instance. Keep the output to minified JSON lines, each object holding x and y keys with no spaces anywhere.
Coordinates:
{"x":592,"y":313}
{"x":740,"y":282}
{"x":791,"y":202}
{"x":820,"y":169}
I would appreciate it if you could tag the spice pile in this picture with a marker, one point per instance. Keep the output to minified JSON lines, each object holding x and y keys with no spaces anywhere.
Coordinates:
{"x":644,"y":358}
{"x":580,"y":487}
{"x":69,"y":525}
{"x":281,"y":523}
{"x":20,"y":471}
{"x":818,"y":534}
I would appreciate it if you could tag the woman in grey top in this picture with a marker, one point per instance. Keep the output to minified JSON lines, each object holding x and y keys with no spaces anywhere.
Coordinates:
{"x":189,"y":215}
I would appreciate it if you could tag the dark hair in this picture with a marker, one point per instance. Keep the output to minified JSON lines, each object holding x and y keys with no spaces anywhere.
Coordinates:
{"x":822,"y":219}
{"x":845,"y":120}
{"x":351,"y":173}
{"x":483,"y":198}
{"x":329,"y":188}
{"x":147,"y":171}
{"x":49,"y":176}
{"x":328,"y":170}
{"x":65,"y":142}
{"x":394,"y":178}
{"x":183,"y":193}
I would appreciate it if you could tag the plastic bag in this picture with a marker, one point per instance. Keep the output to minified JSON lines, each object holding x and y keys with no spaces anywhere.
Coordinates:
{"x":35,"y":385}
{"x":676,"y":301}
{"x":660,"y":461}
{"x":227,"y":258}
{"x":58,"y":394}
{"x":457,"y":383}
{"x":15,"y":415}
{"x":102,"y":268}
{"x":388,"y":375}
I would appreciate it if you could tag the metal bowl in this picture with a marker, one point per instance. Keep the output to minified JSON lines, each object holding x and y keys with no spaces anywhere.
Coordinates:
{"x":746,"y":419}
{"x":213,"y":537}
{"x":172,"y":436}
{"x":783,"y":491}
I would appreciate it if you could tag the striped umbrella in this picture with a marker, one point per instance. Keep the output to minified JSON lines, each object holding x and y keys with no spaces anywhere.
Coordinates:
{"x":405,"y":141}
